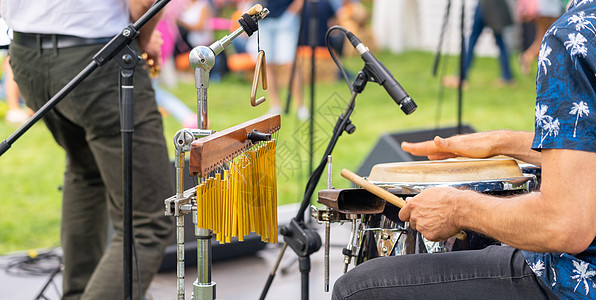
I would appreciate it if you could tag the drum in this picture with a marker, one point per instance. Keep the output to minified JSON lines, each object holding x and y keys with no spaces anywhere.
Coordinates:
{"x":383,"y":234}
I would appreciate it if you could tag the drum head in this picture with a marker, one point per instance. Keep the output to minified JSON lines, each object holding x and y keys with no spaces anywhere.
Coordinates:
{"x":446,"y":170}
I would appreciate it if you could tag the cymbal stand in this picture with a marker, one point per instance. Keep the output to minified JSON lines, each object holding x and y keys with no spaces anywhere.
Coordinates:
{"x":202,"y":60}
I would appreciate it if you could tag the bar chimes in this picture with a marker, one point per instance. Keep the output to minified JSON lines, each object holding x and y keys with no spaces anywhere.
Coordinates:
{"x":238,"y":193}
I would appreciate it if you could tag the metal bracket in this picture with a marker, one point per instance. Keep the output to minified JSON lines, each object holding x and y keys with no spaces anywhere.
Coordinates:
{"x":330,"y":215}
{"x":176,"y":206}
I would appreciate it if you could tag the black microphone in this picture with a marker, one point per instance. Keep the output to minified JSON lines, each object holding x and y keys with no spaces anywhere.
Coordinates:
{"x":380,"y":74}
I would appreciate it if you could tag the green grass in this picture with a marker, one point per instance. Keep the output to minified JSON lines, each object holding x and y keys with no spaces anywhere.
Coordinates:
{"x":31,"y":171}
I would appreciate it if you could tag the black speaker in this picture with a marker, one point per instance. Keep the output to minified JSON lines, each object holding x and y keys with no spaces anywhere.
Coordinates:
{"x":388,"y":148}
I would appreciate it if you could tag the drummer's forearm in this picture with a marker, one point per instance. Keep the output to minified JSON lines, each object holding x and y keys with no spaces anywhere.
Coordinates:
{"x":559,"y":218}
{"x":517,"y":144}
{"x":537,"y":221}
{"x":518,"y":222}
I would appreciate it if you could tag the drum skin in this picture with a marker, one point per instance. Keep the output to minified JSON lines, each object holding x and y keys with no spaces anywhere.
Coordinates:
{"x":446,"y":170}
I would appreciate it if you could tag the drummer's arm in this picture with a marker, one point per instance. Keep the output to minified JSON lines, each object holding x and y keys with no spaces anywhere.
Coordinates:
{"x":516,"y":144}
{"x":559,"y":218}
{"x":137,"y":9}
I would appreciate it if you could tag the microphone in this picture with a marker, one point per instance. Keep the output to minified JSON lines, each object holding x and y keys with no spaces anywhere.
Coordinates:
{"x":381,"y":75}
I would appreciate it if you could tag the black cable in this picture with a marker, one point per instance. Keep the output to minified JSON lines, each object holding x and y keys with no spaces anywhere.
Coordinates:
{"x":316,"y":174}
{"x":134,"y":251}
{"x":38,"y":265}
{"x":337,"y":62}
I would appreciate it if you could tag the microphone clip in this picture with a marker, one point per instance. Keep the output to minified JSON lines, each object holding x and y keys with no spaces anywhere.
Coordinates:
{"x":360,"y":81}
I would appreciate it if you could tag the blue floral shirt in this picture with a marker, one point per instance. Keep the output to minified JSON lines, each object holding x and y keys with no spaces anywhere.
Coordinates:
{"x":565,"y":119}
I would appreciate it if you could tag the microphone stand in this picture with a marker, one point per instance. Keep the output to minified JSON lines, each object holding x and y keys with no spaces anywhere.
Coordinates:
{"x":462,"y":56}
{"x":293,"y":70}
{"x":302,"y":240}
{"x":120,"y":49}
{"x":312,"y":42}
{"x":441,"y":37}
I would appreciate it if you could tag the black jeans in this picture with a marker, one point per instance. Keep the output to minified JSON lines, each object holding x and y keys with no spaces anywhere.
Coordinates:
{"x":496,"y":272}
{"x":86,"y":124}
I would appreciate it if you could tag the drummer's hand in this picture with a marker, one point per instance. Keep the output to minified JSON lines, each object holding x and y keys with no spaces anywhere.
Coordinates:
{"x":432,"y":213}
{"x":475,"y":145}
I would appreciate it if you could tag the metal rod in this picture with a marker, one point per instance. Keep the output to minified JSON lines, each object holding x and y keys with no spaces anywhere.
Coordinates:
{"x":327,"y":223}
{"x":202,"y":119}
{"x":348,"y":258}
{"x":180,"y":257}
{"x":273,"y":272}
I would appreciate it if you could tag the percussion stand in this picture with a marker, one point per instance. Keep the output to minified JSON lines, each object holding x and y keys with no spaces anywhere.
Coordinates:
{"x":120,"y":49}
{"x":302,"y":240}
{"x":202,"y":60}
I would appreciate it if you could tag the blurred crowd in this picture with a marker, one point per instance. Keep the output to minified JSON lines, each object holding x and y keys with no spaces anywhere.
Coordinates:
{"x":186,"y":24}
{"x":190,"y":23}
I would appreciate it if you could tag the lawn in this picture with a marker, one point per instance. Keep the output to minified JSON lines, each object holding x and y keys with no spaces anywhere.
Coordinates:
{"x":31,"y":171}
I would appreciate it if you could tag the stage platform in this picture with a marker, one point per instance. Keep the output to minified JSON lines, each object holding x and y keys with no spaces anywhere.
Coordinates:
{"x":236,"y":278}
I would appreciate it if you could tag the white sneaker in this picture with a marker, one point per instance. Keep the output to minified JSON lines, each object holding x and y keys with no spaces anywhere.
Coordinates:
{"x":274,"y":110}
{"x":303,"y":113}
{"x":16,"y":116}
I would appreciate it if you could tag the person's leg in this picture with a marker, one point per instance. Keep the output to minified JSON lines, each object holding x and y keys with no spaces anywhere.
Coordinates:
{"x":84,"y":210}
{"x":496,"y":272}
{"x":97,"y":108}
{"x":477,"y":28}
{"x":94,"y":106}
{"x":503,"y":59}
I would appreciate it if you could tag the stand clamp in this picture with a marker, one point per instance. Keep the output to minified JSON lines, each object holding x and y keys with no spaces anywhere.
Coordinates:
{"x":304,"y":242}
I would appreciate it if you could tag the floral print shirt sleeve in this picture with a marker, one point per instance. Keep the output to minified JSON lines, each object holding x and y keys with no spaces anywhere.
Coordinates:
{"x":565,"y":118}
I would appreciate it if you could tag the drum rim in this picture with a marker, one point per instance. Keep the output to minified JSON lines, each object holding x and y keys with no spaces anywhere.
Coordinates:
{"x":527,"y":182}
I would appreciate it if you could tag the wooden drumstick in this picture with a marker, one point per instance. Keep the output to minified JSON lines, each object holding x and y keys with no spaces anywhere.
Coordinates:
{"x":258,"y":8}
{"x":382,"y":193}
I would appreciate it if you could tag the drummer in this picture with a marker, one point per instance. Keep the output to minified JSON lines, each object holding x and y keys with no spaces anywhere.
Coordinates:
{"x":550,"y":233}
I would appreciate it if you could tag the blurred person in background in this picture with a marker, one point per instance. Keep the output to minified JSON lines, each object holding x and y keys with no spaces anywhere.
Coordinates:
{"x":542,"y":13}
{"x":496,"y":15}
{"x":278,"y":37}
{"x":167,"y":73}
{"x":16,"y":114}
